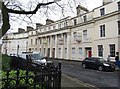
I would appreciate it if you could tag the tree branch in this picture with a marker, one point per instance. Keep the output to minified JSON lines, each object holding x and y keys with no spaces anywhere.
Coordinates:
{"x":5,"y":17}
{"x":6,"y":26}
{"x":29,"y":12}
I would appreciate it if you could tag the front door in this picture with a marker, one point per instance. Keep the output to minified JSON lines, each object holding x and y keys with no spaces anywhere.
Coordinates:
{"x":89,"y":53}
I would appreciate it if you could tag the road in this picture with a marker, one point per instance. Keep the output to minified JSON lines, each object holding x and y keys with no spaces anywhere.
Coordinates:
{"x":101,"y":79}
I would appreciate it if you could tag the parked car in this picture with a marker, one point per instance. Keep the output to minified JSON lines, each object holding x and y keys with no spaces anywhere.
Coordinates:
{"x":34,"y":57}
{"x":97,"y":63}
{"x":28,"y":60}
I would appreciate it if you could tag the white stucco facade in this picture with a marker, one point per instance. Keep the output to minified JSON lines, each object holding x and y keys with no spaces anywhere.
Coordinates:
{"x":15,"y":43}
{"x":94,"y":33}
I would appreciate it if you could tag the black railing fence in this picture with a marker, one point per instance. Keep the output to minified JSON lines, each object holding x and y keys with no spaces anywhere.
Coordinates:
{"x":42,"y":77}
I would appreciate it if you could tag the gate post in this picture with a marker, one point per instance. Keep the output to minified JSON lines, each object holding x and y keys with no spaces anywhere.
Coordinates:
{"x":59,"y":75}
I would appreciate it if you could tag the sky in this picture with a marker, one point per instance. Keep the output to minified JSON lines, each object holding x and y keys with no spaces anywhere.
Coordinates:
{"x":40,"y":18}
{"x":55,"y":15}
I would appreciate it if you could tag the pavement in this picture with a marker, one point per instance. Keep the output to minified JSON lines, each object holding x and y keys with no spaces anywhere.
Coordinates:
{"x":70,"y":82}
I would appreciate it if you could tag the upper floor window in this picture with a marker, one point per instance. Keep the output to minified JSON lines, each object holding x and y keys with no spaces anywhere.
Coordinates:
{"x":65,"y":23}
{"x":49,"y":28}
{"x":75,"y":22}
{"x":118,"y":27}
{"x":36,"y":41}
{"x":59,"y":25}
{"x":85,"y":34}
{"x":74,"y":35}
{"x":102,"y":31}
{"x":102,"y":11}
{"x":84,"y":18}
{"x":119,"y":5}
{"x":31,"y":33}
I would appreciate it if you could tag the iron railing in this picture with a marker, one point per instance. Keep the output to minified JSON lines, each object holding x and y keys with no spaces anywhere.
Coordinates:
{"x":43,"y":77}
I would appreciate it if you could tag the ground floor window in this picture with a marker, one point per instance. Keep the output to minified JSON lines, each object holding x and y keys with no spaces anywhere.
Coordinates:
{"x":65,"y":52}
{"x":40,"y":49}
{"x":35,"y":49}
{"x":44,"y":51}
{"x":73,"y":52}
{"x":100,"y":50}
{"x":80,"y":52}
{"x":112,"y":50}
{"x":59,"y":51}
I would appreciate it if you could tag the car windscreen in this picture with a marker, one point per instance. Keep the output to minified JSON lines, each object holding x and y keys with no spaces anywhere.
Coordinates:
{"x":101,"y":60}
{"x":37,"y":56}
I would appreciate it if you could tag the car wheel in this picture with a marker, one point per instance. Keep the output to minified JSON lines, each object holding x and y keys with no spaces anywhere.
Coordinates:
{"x":84,"y":65}
{"x":100,"y":68}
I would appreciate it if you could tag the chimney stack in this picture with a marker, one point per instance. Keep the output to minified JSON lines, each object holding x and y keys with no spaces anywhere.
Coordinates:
{"x":20,"y":30}
{"x":106,"y":2}
{"x":29,"y":28}
{"x":38,"y":25}
{"x":49,"y":21}
{"x":81,"y":10}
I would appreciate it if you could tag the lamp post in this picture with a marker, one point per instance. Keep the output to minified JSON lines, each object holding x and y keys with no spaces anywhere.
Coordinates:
{"x":17,"y":50}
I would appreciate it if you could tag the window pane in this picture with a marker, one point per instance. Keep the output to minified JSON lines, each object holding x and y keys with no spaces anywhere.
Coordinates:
{"x":75,"y":21}
{"x":102,"y":11}
{"x":100,"y":50}
{"x":73,"y":52}
{"x":80,"y":52}
{"x":85,"y":34}
{"x":102,"y":31}
{"x":112,"y":50}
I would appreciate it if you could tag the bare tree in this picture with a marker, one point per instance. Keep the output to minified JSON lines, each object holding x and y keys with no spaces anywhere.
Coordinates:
{"x":15,"y":7}
{"x":5,"y":15}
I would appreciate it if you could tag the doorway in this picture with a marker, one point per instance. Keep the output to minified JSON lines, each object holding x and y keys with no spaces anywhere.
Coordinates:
{"x":53,"y":54}
{"x":88,"y":52}
{"x":48,"y":53}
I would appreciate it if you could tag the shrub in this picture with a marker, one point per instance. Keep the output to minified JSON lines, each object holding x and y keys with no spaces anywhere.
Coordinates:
{"x":6,"y":62}
{"x":12,"y":74}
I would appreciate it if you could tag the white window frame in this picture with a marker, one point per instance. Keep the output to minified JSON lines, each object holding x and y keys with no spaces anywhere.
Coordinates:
{"x":85,"y":34}
{"x":73,"y":52}
{"x":80,"y":52}
{"x":102,"y":31}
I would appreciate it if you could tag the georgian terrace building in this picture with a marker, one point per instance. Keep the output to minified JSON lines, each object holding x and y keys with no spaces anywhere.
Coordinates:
{"x":90,"y":33}
{"x":15,"y":43}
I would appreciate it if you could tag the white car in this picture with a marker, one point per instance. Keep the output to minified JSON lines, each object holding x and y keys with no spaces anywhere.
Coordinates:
{"x":35,"y":57}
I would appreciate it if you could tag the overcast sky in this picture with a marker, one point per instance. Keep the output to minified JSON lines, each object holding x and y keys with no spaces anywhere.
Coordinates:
{"x":40,"y":17}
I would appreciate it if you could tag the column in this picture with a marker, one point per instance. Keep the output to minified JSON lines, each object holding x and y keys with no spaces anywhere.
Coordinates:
{"x":69,"y":45}
{"x":42,"y":46}
{"x":62,"y":47}
{"x":46,"y":48}
{"x":51,"y":48}
{"x":56,"y":46}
